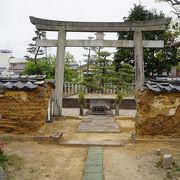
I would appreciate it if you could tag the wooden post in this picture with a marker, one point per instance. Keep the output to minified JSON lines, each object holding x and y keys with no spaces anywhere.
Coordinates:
{"x":49,"y":110}
{"x":59,"y":72}
{"x":139,"y":60}
{"x":76,"y":88}
{"x":65,"y":89}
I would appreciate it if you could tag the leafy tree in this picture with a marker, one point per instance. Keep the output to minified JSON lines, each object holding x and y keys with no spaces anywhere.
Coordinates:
{"x":42,"y":66}
{"x":104,"y":68}
{"x":33,"y":49}
{"x":175,"y":4}
{"x":47,"y":66}
{"x":156,"y":60}
{"x":101,"y":70}
{"x":69,"y":58}
{"x":70,"y":75}
{"x":89,"y":58}
{"x":124,"y":77}
{"x":105,"y":74}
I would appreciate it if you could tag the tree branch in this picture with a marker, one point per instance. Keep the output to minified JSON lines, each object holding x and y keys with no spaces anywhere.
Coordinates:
{"x":174,"y":2}
{"x":176,"y":44}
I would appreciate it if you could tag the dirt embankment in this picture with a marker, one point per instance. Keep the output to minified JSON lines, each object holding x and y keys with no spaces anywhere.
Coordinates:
{"x":23,"y":111}
{"x":158,"y":114}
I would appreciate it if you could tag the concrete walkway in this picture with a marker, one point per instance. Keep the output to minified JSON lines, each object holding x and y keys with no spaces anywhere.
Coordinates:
{"x":94,"y":164}
{"x":99,"y":123}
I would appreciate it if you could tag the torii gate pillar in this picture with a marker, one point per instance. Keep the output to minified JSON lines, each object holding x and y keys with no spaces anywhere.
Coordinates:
{"x":59,"y":72}
{"x":139,"y":60}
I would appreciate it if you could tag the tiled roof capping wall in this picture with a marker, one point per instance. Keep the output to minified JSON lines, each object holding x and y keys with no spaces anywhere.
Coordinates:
{"x":166,"y":86}
{"x":23,"y":103}
{"x":21,"y":81}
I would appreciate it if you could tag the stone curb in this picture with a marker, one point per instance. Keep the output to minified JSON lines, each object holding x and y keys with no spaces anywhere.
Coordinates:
{"x":53,"y":139}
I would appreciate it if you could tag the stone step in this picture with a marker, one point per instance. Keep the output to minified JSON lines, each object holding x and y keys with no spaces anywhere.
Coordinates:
{"x":97,"y":143}
{"x":100,"y":130}
{"x":98,"y":121}
{"x":98,"y":124}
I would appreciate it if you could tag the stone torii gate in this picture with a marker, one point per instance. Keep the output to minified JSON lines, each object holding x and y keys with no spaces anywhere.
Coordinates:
{"x":70,"y":26}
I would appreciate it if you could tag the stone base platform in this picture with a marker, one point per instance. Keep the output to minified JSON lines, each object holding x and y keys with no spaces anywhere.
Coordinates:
{"x":99,"y":123}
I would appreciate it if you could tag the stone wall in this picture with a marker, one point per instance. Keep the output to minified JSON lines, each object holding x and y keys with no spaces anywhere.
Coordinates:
{"x":23,"y":111}
{"x":158,"y":114}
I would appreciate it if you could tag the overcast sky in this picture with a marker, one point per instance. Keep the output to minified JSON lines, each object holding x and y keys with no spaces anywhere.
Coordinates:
{"x":16,"y":31}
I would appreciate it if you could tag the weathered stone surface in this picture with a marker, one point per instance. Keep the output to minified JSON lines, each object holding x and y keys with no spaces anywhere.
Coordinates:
{"x":167,"y":161}
{"x":94,"y":164}
{"x":158,"y":114}
{"x":54,"y":25}
{"x":98,"y":123}
{"x":24,"y":111}
{"x":93,"y":169}
{"x":93,"y":176}
{"x":96,"y":143}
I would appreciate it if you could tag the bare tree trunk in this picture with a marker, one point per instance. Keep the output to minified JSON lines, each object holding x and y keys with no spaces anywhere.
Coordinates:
{"x":35,"y":57}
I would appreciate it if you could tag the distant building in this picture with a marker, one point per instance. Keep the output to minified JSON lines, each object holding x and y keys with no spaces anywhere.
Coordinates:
{"x":2,"y":70}
{"x":73,"y":66}
{"x":175,"y":71}
{"x":16,"y":65}
{"x":4,"y":62}
{"x":11,"y":65}
{"x":86,"y":72}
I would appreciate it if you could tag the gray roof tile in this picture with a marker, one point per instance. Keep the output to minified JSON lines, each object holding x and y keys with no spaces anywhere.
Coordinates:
{"x":21,"y":81}
{"x":163,"y":86}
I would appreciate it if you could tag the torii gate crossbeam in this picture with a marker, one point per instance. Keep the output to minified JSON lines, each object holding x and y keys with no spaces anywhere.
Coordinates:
{"x":69,"y":26}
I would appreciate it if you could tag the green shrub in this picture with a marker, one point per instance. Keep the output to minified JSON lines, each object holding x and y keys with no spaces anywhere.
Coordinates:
{"x":3,"y":158}
{"x":81,"y":98}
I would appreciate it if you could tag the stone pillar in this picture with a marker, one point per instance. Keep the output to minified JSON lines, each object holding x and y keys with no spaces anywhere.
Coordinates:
{"x":139,"y":60}
{"x":59,"y":72}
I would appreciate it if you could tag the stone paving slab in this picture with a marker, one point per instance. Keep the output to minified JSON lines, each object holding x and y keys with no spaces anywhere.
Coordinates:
{"x":93,"y":176}
{"x":94,"y":164}
{"x":99,"y":123}
{"x":95,"y":156}
{"x":93,"y":149}
{"x":93,"y":168}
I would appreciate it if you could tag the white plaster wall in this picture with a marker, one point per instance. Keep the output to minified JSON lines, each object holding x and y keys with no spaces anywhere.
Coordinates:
{"x":4,"y":60}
